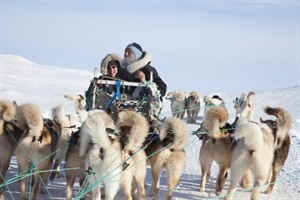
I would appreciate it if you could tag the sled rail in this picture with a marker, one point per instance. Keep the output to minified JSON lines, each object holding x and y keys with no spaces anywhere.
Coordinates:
{"x":126,"y":83}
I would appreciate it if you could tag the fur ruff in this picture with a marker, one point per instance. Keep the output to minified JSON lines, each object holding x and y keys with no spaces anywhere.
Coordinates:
{"x":180,"y":130}
{"x":215,"y":118}
{"x":138,"y":64}
{"x":106,"y":60}
{"x":29,"y":117}
{"x":139,"y":128}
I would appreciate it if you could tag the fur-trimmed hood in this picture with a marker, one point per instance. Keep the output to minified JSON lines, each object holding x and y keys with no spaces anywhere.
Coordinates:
{"x":106,"y":60}
{"x":138,"y":64}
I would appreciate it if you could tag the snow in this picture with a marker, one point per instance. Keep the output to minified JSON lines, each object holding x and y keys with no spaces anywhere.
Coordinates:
{"x":25,"y":81}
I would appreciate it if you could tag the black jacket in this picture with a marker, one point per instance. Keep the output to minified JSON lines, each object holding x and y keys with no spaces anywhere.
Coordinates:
{"x":143,"y":64}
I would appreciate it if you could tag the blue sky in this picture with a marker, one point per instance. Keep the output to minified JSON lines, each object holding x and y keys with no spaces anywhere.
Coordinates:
{"x":209,"y":46}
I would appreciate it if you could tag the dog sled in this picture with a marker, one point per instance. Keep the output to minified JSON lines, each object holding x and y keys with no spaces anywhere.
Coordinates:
{"x":144,"y":99}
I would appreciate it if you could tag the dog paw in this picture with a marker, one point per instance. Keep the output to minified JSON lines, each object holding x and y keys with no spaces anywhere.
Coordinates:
{"x":218,"y":193}
{"x":268,"y":191}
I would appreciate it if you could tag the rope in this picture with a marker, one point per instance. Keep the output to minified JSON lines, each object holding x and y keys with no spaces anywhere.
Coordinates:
{"x":117,"y":94}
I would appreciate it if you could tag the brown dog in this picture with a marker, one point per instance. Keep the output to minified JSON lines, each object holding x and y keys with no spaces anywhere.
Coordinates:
{"x":281,"y":127}
{"x":216,"y":146}
{"x":10,"y":134}
{"x":35,"y":146}
{"x":167,"y":151}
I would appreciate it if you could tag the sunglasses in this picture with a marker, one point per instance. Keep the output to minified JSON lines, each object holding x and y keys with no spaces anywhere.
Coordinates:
{"x":112,"y":67}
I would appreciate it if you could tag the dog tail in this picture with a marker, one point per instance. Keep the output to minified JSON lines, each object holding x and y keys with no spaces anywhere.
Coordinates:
{"x":139,"y":128}
{"x":94,"y":131}
{"x":29,"y":117}
{"x":80,"y":103}
{"x":59,"y":113}
{"x":180,"y":130}
{"x":7,"y":111}
{"x":215,"y":118}
{"x":284,"y":121}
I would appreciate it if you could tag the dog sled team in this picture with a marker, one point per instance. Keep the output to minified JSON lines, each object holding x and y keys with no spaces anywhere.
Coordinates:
{"x":109,"y":150}
{"x":108,"y":143}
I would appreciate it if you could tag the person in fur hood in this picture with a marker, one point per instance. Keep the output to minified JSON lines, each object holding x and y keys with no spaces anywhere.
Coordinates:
{"x":137,"y":62}
{"x":111,"y":70}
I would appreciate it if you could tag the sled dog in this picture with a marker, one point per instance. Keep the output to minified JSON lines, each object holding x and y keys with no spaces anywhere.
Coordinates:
{"x":193,"y":106}
{"x":177,"y":99}
{"x":168,"y":152}
{"x":134,"y":129}
{"x":10,"y":134}
{"x":254,"y":153}
{"x":74,"y":164}
{"x":80,"y":102}
{"x":244,"y":106}
{"x":281,"y":126}
{"x":99,"y":144}
{"x":216,"y":146}
{"x":210,"y":102}
{"x":36,"y":146}
{"x":69,"y":124}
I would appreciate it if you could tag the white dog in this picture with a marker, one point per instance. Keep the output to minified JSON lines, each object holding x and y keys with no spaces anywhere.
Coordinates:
{"x":177,"y":99}
{"x":254,"y":151}
{"x":69,"y":123}
{"x":100,"y":145}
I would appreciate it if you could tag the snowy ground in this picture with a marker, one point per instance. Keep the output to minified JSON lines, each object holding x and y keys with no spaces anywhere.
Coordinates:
{"x":24,"y":81}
